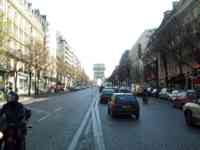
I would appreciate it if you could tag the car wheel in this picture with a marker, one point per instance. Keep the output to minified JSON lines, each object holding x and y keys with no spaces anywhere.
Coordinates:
{"x":188,"y":117}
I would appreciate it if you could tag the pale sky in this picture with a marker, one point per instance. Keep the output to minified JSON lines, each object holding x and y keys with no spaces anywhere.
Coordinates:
{"x":100,"y":30}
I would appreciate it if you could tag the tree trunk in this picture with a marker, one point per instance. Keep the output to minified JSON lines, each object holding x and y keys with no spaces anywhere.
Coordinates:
{"x":16,"y":76}
{"x":35,"y":83}
{"x":38,"y":82}
{"x":30,"y":82}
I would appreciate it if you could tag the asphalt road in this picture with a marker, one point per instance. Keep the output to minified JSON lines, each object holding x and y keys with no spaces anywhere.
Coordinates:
{"x":75,"y":121}
{"x":56,"y":120}
{"x":161,"y":127}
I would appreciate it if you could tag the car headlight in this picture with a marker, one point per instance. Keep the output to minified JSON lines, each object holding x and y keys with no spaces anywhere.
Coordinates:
{"x":1,"y":135}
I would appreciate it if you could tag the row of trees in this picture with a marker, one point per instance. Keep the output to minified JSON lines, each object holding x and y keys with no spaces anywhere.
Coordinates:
{"x":35,"y":61}
{"x":178,"y":40}
{"x":72,"y":72}
{"x":122,"y":73}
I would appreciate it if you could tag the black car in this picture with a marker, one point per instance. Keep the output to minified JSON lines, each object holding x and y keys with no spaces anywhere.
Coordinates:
{"x":106,"y":95}
{"x":101,"y":88}
{"x":155,"y":92}
{"x":123,"y":104}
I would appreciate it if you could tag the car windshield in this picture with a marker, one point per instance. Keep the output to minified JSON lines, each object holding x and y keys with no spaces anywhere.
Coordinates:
{"x":108,"y":91}
{"x":175,"y":92}
{"x":182,"y":94}
{"x":125,"y":98}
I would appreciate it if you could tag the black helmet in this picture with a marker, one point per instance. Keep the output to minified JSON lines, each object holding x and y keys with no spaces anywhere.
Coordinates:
{"x":12,"y":97}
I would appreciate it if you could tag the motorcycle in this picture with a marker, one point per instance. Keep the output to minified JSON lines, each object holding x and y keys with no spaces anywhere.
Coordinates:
{"x":145,"y":100}
{"x":14,"y":138}
{"x":14,"y":135}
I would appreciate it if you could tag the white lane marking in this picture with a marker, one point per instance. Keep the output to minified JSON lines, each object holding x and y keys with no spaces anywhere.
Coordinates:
{"x":58,"y":109}
{"x":89,"y":125}
{"x":44,"y":117}
{"x":97,"y":128}
{"x":38,"y":110}
{"x":78,"y":133}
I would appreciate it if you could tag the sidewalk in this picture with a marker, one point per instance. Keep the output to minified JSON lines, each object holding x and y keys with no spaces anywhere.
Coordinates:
{"x":30,"y":99}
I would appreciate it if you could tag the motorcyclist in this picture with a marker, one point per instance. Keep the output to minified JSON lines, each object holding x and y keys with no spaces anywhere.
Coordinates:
{"x":145,"y":94}
{"x":17,"y":115}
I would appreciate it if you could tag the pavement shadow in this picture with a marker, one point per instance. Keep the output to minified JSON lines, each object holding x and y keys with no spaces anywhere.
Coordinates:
{"x":124,"y":118}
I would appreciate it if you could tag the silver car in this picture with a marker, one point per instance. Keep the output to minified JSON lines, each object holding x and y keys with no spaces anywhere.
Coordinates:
{"x":192,"y":112}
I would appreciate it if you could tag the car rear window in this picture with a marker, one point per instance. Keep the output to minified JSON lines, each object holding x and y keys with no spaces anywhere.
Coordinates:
{"x":125,"y":98}
{"x":108,"y":92}
{"x":182,"y":94}
{"x":124,"y":91}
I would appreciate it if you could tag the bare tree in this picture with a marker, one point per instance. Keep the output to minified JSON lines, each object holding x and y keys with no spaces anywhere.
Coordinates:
{"x":37,"y":62}
{"x":178,"y":40}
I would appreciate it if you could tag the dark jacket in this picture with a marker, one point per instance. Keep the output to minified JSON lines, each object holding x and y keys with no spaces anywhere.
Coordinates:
{"x":16,"y":114}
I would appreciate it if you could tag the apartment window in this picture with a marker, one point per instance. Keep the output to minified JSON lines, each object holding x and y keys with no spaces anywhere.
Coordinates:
{"x":1,"y":5}
{"x":196,"y":12}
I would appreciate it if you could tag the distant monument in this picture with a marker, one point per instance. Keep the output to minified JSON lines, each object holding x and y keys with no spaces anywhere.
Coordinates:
{"x":99,"y":70}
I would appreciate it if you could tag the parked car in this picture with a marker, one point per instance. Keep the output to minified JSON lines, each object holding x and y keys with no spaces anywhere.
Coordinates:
{"x":123,"y":104}
{"x":174,"y":94}
{"x":164,"y":93}
{"x":192,"y":112}
{"x":149,"y":91}
{"x":116,"y":90}
{"x":155,"y":92}
{"x":184,"y":97}
{"x":106,"y":95}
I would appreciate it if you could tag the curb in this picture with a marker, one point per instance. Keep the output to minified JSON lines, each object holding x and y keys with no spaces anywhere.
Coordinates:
{"x":29,"y":99}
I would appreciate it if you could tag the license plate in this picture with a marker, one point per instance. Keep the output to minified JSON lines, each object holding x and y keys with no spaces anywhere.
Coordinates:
{"x":126,"y":107}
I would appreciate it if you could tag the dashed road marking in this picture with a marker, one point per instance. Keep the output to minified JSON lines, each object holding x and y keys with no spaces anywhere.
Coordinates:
{"x":58,"y":109}
{"x":44,"y":117}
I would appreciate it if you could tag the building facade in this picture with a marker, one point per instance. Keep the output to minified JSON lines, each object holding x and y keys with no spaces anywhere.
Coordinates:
{"x":25,"y":25}
{"x":170,"y":71}
{"x":67,"y":56}
{"x":136,"y":55}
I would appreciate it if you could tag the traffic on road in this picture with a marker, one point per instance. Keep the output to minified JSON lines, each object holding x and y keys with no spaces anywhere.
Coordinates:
{"x":79,"y":120}
{"x":113,"y":119}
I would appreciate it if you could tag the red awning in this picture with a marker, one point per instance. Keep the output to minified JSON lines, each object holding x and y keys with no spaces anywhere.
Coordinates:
{"x":196,"y":66}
